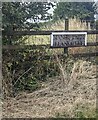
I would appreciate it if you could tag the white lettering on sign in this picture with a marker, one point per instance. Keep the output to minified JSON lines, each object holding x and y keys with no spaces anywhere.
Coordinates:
{"x":68,"y":39}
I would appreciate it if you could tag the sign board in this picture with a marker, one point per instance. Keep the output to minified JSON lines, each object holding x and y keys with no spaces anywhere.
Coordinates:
{"x":68,"y":39}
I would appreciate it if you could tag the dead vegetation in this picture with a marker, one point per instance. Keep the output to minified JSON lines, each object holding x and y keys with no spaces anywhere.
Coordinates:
{"x":56,"y":99}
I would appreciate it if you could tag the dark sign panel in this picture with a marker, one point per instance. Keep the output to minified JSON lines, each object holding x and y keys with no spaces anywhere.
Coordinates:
{"x":68,"y":39}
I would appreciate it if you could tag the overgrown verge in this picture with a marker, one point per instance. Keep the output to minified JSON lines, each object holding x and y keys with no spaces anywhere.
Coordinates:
{"x":56,"y":99}
{"x":25,"y":69}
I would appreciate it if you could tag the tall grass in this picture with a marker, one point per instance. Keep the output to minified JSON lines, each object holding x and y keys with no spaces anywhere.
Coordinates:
{"x":77,"y":24}
{"x":74,"y":24}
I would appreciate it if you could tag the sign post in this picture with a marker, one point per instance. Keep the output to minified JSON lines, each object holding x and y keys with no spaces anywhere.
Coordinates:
{"x":66,"y":28}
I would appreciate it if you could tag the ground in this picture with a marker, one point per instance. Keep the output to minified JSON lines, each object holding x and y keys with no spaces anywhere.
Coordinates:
{"x":77,"y":98}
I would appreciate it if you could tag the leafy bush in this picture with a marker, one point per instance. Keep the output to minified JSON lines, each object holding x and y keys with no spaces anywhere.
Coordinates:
{"x":25,"y":68}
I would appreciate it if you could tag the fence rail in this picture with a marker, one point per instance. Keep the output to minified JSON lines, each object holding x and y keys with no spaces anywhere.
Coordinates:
{"x":11,"y":47}
{"x":85,"y":54}
{"x":23,"y":33}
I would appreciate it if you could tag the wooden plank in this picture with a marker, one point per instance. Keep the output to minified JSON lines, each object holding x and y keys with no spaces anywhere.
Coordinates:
{"x":66,"y":28}
{"x":16,"y":47}
{"x":23,"y":33}
{"x":13,"y":47}
{"x":92,"y":44}
{"x":53,"y":56}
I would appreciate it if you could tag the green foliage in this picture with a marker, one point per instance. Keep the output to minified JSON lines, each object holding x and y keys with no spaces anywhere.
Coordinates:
{"x":82,"y":10}
{"x":85,"y":111}
{"x":97,"y":25}
{"x":22,"y":16}
{"x":63,"y":115}
{"x":16,"y":65}
{"x":80,"y":114}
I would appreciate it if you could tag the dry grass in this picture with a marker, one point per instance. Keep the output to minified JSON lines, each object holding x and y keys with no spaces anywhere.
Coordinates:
{"x":58,"y":25}
{"x":74,"y":24}
{"x":76,"y":99}
{"x":38,"y":40}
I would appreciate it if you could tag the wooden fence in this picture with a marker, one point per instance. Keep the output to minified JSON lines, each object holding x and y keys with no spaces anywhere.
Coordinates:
{"x":24,"y":33}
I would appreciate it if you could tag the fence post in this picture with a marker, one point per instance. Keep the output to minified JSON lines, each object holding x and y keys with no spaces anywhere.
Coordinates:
{"x":66,"y":28}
